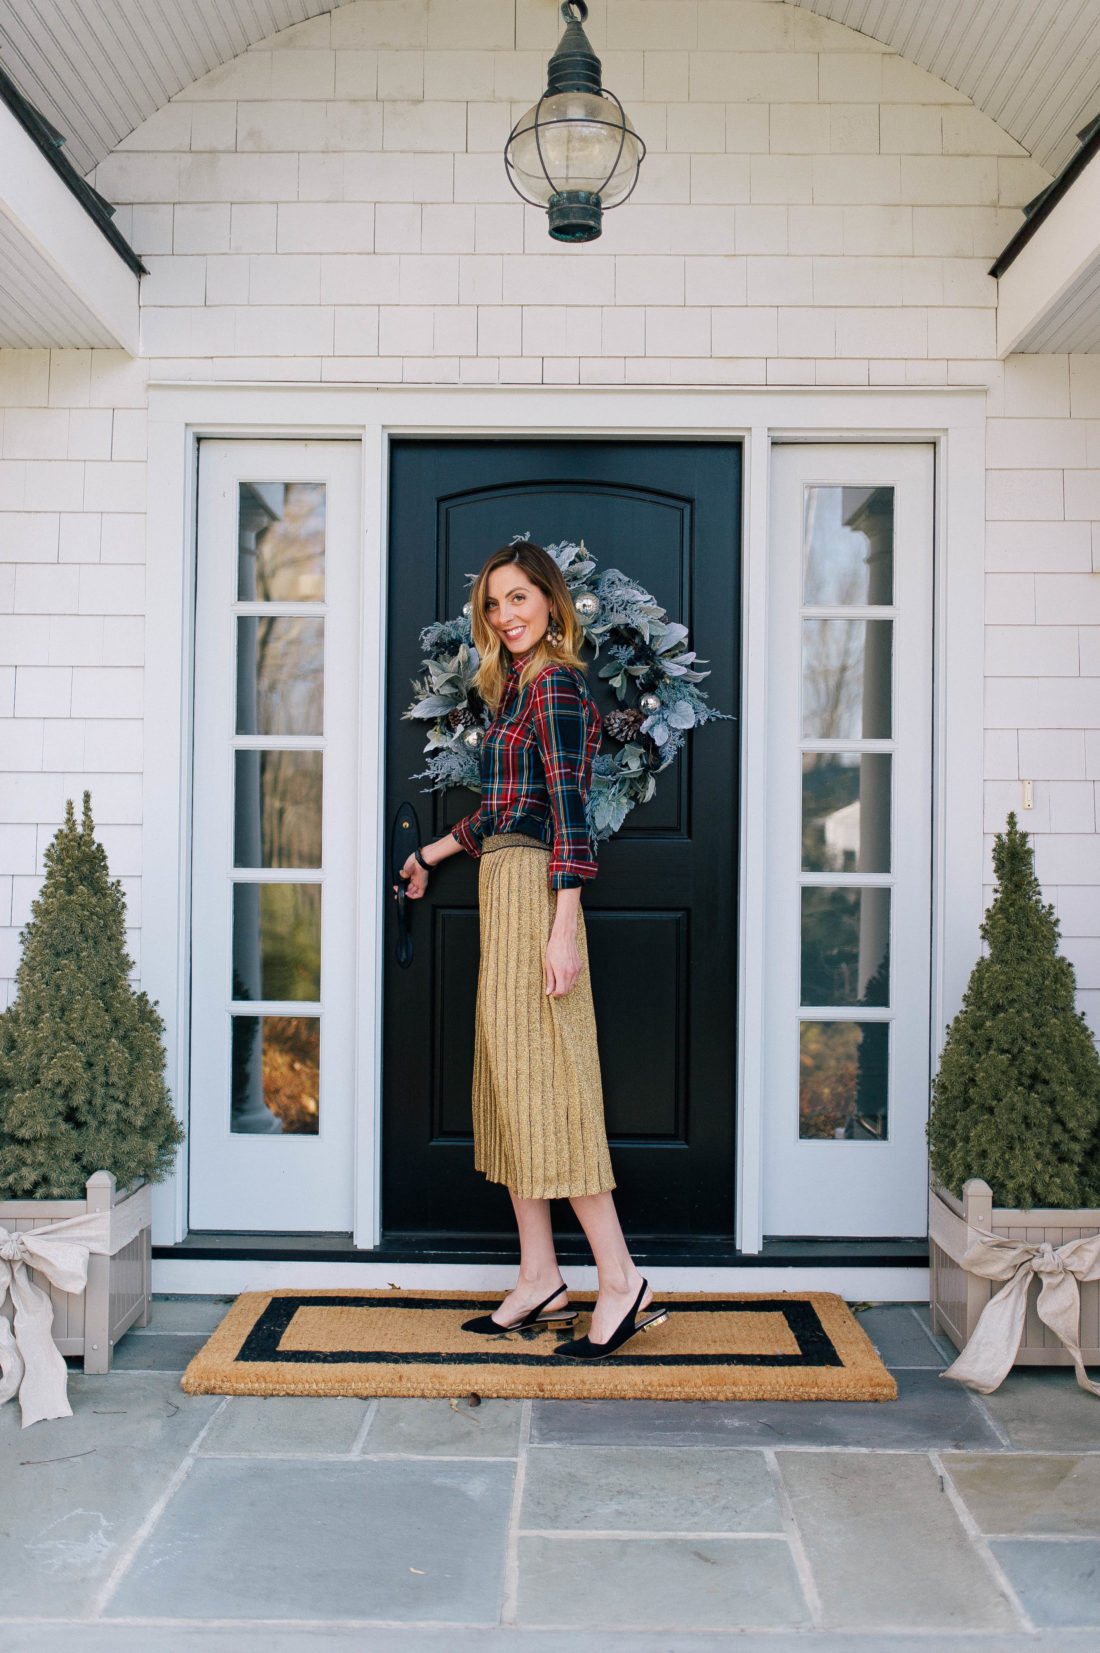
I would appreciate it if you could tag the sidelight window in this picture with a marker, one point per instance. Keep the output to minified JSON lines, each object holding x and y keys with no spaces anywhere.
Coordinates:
{"x":847,"y":619}
{"x":273,"y":862}
{"x":849,"y":806}
{"x":280,"y":678}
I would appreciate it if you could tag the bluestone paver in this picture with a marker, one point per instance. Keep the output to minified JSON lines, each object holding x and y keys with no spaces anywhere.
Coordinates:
{"x":929,"y":1414}
{"x":267,"y":1638}
{"x":942,"y":1342}
{"x":1058,"y":1583}
{"x":186,"y":1315}
{"x":155,"y":1351}
{"x":1044,"y":1409}
{"x":1029,"y":1493}
{"x":900,"y":1337}
{"x":648,"y":1489}
{"x":74,"y":1491}
{"x":435,"y":1428}
{"x":885,"y":1545}
{"x":287,"y":1424}
{"x":311,"y":1539}
{"x":643,"y":1583}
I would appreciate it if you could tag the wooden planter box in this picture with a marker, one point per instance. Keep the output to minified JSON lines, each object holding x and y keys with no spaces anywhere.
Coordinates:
{"x":958,"y":1298}
{"x":119,"y":1291}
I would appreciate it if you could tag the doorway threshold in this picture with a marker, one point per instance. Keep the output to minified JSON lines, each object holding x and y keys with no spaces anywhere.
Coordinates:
{"x":487,"y":1250}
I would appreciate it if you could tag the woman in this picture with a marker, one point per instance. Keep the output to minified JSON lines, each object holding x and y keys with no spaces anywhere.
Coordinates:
{"x":537,"y":1100}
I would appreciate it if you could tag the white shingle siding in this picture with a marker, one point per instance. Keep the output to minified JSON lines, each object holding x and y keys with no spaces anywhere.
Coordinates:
{"x":332,"y":205}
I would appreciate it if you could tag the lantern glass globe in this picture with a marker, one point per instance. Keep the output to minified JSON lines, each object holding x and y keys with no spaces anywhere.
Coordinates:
{"x":587,"y":143}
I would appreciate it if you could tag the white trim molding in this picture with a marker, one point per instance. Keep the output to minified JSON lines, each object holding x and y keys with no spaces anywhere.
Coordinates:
{"x":204,"y":1277}
{"x":181,"y":413}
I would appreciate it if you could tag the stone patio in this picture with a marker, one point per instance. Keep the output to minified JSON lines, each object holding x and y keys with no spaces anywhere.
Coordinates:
{"x":158,"y":1522}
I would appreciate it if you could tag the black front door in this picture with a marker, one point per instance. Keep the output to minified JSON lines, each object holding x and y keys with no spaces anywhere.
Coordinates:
{"x":661,"y":915}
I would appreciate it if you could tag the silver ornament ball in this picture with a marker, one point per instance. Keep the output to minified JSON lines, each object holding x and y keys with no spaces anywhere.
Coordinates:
{"x":467,"y":610}
{"x":472,"y":737}
{"x":587,"y":605}
{"x":649,"y":703}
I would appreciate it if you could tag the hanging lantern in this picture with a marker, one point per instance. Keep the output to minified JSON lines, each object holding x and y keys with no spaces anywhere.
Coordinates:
{"x":575,"y":152}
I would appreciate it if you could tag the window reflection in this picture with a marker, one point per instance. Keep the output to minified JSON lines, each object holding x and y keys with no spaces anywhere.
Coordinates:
{"x":845,"y":946}
{"x":848,"y":547}
{"x":843,"y":1081}
{"x":277,"y":941}
{"x":281,"y":542}
{"x":280,"y":676}
{"x":277,"y":803}
{"x":846,"y":812}
{"x":846,"y":671}
{"x":276,"y":1075}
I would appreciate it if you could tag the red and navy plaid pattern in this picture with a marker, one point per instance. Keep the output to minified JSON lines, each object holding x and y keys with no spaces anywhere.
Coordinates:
{"x":536,"y":771}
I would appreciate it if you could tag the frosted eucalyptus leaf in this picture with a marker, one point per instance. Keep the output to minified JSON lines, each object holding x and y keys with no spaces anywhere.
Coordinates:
{"x":433,"y":705}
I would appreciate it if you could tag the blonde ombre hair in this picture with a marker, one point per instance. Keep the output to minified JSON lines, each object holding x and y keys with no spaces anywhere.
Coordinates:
{"x":543,"y":572}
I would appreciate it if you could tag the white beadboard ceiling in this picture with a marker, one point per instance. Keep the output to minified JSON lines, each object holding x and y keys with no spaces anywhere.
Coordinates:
{"x":1033,"y":66}
{"x":39,"y":307}
{"x":1072,"y":325}
{"x":97,"y":68}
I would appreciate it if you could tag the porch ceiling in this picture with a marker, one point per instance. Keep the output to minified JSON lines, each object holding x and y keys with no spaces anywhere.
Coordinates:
{"x":97,"y":71}
{"x":1033,"y":66}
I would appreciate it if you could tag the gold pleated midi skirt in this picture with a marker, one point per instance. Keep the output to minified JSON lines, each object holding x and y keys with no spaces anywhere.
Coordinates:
{"x":537,"y":1094}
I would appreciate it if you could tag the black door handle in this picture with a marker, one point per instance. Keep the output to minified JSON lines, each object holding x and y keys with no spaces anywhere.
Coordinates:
{"x":404,"y":838}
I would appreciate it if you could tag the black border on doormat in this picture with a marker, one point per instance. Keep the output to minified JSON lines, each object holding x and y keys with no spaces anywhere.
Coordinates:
{"x":815,"y":1347}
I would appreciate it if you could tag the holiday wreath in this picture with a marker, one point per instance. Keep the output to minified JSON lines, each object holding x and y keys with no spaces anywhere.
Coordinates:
{"x":649,"y":656}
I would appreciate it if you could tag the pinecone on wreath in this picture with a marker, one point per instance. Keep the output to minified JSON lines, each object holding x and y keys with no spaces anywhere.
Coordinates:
{"x":624,"y":725}
{"x":461,"y":718}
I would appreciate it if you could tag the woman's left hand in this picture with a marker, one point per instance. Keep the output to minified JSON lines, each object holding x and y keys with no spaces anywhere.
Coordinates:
{"x":414,"y":878}
{"x":563,"y":963}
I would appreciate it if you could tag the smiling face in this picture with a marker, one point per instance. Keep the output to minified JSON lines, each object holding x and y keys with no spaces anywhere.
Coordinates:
{"x":516,"y":609}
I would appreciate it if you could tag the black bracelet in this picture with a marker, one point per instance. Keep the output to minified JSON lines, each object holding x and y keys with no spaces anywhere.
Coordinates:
{"x":421,"y":859}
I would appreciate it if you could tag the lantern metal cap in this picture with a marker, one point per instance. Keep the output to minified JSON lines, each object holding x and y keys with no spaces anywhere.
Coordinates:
{"x":574,"y":66}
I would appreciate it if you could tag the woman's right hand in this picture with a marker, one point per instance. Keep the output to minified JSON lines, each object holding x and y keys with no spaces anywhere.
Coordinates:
{"x":417,"y":879}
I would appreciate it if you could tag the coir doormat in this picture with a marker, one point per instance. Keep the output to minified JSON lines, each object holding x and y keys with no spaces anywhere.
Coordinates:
{"x":741,"y":1346}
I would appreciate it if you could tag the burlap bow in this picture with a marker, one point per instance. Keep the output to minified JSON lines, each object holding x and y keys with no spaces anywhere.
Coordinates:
{"x":30,"y":1361}
{"x":988,"y":1357}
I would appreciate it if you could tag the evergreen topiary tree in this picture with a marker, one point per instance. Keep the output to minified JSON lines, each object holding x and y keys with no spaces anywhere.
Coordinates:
{"x":1017,"y":1097}
{"x":81,"y":1060}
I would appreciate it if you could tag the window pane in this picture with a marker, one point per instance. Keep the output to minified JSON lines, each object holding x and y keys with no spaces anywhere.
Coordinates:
{"x":844,"y":1072}
{"x":845,"y":946}
{"x":846,"y":679}
{"x":276,"y":1075}
{"x":281,"y":541}
{"x":277,"y":809}
{"x":846,"y":811}
{"x":848,"y":546}
{"x":280,"y":676}
{"x":277,"y":941}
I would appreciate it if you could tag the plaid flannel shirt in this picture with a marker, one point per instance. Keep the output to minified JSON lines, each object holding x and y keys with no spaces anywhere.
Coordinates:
{"x":536,"y":771}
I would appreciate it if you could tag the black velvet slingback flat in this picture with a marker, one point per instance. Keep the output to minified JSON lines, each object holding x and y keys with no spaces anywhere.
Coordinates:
{"x":488,"y":1327}
{"x":582,"y":1348}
